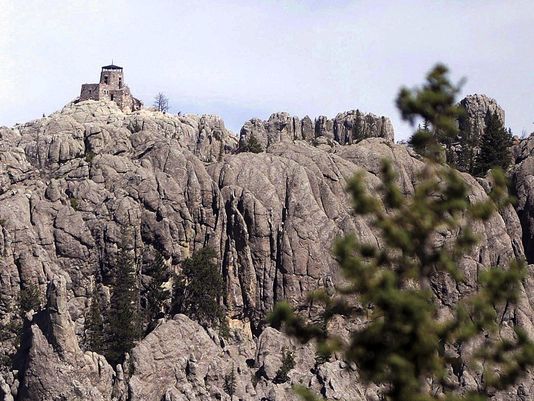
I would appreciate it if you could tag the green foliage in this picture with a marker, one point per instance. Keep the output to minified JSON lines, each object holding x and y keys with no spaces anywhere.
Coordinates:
{"x":230,"y":383}
{"x":470,"y":142}
{"x":124,"y":316}
{"x":435,"y":103}
{"x":252,"y":145}
{"x":224,"y":329}
{"x":10,"y":330}
{"x":424,"y":144}
{"x":89,"y":156}
{"x":94,"y":324}
{"x":321,"y":357}
{"x":11,"y":324}
{"x":30,"y":298}
{"x":74,"y":203}
{"x":5,"y":361}
{"x":306,"y":394}
{"x":494,"y":148}
{"x":288,"y":363}
{"x":10,"y":333}
{"x":199,"y":287}
{"x":407,"y":347}
{"x":156,"y":293}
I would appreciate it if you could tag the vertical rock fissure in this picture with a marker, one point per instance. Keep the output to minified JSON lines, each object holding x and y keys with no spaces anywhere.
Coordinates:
{"x":279,"y":246}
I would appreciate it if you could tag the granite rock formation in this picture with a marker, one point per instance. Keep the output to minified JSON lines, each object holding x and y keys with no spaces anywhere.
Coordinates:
{"x":477,"y":110}
{"x":55,"y":367}
{"x":72,"y":182}
{"x":523,"y":184}
{"x":346,"y":128}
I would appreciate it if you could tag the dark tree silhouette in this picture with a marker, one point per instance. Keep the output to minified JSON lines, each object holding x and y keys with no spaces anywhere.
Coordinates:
{"x":230,"y":383}
{"x":124,"y":326}
{"x":435,"y":104}
{"x":94,"y":324}
{"x":161,"y":102}
{"x":199,"y":288}
{"x":30,"y":298}
{"x":494,"y":147}
{"x":156,"y":294}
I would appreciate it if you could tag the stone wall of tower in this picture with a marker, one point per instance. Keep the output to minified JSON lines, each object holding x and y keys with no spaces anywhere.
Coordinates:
{"x":115,"y":78}
{"x":123,"y":98}
{"x":90,"y":91}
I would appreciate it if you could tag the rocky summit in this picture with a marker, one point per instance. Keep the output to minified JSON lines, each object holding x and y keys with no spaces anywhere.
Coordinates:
{"x":73,"y":182}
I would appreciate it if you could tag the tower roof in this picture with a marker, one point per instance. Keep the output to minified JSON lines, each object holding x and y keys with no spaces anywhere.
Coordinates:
{"x":111,"y":67}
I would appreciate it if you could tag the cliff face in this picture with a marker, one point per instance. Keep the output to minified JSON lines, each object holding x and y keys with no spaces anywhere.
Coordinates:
{"x":72,"y":182}
{"x":523,"y":184}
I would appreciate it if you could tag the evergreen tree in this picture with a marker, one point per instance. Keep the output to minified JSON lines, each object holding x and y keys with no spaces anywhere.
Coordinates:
{"x":470,"y":143}
{"x":11,"y":323}
{"x":199,"y":288}
{"x":230,"y":383}
{"x":94,"y":324}
{"x":435,"y":103}
{"x":494,"y":148}
{"x":424,"y":143}
{"x":156,"y":293}
{"x":288,"y":363}
{"x":407,"y":347}
{"x":30,"y":298}
{"x":10,"y":335}
{"x":124,"y":326}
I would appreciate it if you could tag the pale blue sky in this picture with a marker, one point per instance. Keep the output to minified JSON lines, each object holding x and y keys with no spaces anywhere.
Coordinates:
{"x":244,"y":59}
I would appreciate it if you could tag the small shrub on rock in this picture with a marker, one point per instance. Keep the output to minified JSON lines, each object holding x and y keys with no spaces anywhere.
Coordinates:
{"x":288,"y":363}
{"x":30,"y":298}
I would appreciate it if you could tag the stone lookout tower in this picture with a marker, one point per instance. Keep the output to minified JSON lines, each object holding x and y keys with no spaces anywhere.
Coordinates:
{"x":111,"y":87}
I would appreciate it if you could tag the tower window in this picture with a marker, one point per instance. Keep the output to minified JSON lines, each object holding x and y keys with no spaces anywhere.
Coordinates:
{"x":112,"y":96}
{"x":106,"y":79}
{"x":120,"y":82}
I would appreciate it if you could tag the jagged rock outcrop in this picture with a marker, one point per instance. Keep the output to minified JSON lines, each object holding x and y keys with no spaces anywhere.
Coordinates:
{"x":55,"y":368}
{"x":353,"y":126}
{"x":70,"y":185}
{"x":346,"y":128}
{"x":477,"y":110}
{"x":180,"y":360}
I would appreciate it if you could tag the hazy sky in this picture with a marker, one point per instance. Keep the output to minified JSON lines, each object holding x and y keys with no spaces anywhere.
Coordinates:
{"x":245,"y":59}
